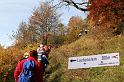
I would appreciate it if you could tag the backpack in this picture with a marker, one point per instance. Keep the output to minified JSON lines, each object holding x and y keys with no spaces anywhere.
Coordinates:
{"x":44,"y":59}
{"x":28,"y":73}
{"x":40,"y":53}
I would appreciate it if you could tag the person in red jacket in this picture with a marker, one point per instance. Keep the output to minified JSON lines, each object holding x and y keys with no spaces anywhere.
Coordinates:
{"x":38,"y":67}
{"x":47,"y":49}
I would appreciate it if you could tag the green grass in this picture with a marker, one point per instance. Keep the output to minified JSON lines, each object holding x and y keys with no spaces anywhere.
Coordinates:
{"x":58,"y":71}
{"x":87,"y":46}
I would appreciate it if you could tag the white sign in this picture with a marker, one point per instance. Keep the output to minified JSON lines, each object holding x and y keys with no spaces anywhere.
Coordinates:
{"x":110,"y":59}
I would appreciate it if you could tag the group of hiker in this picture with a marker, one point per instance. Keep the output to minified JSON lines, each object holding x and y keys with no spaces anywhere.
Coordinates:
{"x":32,"y":67}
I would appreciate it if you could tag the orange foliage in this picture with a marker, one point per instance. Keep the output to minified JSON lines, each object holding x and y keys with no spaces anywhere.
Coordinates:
{"x":75,"y":26}
{"x":111,"y":10}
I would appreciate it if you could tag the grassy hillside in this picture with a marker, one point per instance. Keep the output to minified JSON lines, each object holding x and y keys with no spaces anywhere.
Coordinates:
{"x":58,"y":68}
{"x":58,"y":72}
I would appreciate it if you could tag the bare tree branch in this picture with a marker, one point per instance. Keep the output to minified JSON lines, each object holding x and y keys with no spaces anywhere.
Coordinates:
{"x":76,"y":5}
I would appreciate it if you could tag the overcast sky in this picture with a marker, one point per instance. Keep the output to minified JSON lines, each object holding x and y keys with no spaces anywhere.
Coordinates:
{"x":12,"y":12}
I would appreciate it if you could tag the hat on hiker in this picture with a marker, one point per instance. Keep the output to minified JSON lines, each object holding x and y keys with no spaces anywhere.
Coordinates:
{"x":26,"y":55}
{"x":41,"y":45}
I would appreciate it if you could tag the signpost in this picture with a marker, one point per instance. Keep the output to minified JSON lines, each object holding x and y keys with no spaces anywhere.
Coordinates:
{"x":110,"y":59}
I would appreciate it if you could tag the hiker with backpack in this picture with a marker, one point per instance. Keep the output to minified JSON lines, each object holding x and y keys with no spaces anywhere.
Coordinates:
{"x":27,"y":70}
{"x":42,"y":57}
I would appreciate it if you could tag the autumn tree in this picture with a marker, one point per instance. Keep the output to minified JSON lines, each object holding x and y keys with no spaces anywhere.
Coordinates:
{"x":45,"y":21}
{"x":42,"y":25}
{"x":107,"y":12}
{"x":61,"y":29}
{"x":60,"y":35}
{"x":106,"y":15}
{"x":22,"y":34}
{"x":75,"y":26}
